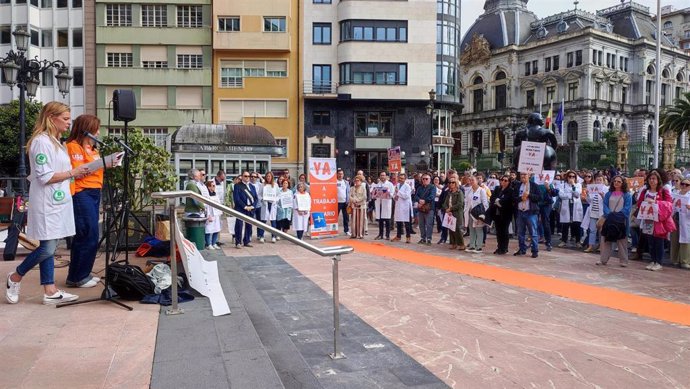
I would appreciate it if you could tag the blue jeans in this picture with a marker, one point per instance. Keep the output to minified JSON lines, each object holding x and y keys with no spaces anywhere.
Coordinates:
{"x":545,"y":225}
{"x":257,"y":216}
{"x":85,"y":241}
{"x":342,"y":207}
{"x":272,"y":223}
{"x":211,"y":239}
{"x":44,"y":257}
{"x":656,"y":248}
{"x":527,"y":220}
{"x":426,"y":224}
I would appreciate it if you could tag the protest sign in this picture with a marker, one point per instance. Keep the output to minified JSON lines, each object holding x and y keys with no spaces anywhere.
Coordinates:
{"x":635,"y":183}
{"x":394,"y":160}
{"x":531,"y":157}
{"x":324,"y":196}
{"x":541,"y":177}
{"x":648,"y":211}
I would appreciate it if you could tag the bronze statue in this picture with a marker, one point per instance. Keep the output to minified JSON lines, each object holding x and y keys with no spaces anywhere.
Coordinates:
{"x":536,"y":133}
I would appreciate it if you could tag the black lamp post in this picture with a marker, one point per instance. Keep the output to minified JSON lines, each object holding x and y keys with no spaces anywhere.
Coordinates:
{"x":430,"y":111}
{"x":24,"y":73}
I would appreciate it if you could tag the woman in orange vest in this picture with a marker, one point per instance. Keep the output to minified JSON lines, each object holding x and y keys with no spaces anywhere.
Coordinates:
{"x":86,"y":199}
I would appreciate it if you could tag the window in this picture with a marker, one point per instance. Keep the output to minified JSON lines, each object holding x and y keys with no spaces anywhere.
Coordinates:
{"x":228,"y":23}
{"x":547,"y":64}
{"x":572,"y":131}
{"x":321,"y":34}
{"x":446,"y":80}
{"x":76,"y":3}
{"x":535,"y":67}
{"x":62,"y":38}
{"x":478,"y":100}
{"x":625,"y":65}
{"x":47,"y":77}
{"x":668,"y":24}
{"x":597,"y":90}
{"x":47,"y":4}
{"x":321,"y":77}
{"x":78,"y":77}
{"x":47,"y":38}
{"x":578,"y":58}
{"x":274,"y":24}
{"x":500,"y":96}
{"x":77,"y":38}
{"x":556,"y":60}
{"x":233,"y":111}
{"x":608,"y":60}
{"x":572,"y":91}
{"x":157,"y":135}
{"x":529,"y":98}
{"x":190,"y":61}
{"x":119,"y":60}
{"x":528,"y":68}
{"x":550,"y":93}
{"x":624,"y":95}
{"x":569,"y":58}
{"x":284,"y":143}
{"x":34,"y":37}
{"x":447,"y":37}
{"x":648,"y":92}
{"x":322,"y":1}
{"x":154,"y":15}
{"x":321,"y":118}
{"x":612,"y":91}
{"x":189,"y":16}
{"x":5,"y":34}
{"x":594,"y":56}
{"x":231,"y":77}
{"x":154,"y":64}
{"x":376,"y":30}
{"x":664,"y":88}
{"x":378,"y":124}
{"x":62,"y":3}
{"x":118,"y":15}
{"x":232,"y":72}
{"x":373,"y":73}
{"x":34,"y":3}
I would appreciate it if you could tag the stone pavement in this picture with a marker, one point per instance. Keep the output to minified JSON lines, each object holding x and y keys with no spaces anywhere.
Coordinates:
{"x":469,"y":329}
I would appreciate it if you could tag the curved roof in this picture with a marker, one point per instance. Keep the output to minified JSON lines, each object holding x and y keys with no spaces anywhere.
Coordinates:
{"x":245,"y":139}
{"x":504,"y":23}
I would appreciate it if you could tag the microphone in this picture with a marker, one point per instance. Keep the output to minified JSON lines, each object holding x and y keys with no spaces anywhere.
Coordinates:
{"x":93,"y":138}
{"x":124,"y":146}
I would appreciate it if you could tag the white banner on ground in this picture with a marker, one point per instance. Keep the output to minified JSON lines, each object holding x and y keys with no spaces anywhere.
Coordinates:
{"x":202,"y":275}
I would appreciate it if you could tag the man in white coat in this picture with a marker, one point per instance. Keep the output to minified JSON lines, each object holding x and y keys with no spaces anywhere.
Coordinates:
{"x":383,"y":192}
{"x":403,"y":208}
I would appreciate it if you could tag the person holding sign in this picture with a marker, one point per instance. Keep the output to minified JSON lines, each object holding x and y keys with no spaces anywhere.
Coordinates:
{"x":284,"y":206}
{"x":595,"y":196}
{"x":680,"y":239}
{"x":403,"y":208}
{"x":527,"y":197}
{"x":86,"y":200}
{"x":454,"y":206}
{"x":302,"y":207}
{"x":269,"y":209}
{"x":654,"y":217}
{"x":477,"y":197}
{"x":570,"y":212}
{"x":383,"y":193}
{"x":616,"y":207}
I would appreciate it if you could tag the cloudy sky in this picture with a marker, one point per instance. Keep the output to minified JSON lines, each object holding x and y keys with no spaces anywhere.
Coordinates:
{"x":471,"y":9}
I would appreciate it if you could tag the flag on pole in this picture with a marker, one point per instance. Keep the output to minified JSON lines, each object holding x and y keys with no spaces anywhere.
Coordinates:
{"x":559,"y":118}
{"x":549,"y":116}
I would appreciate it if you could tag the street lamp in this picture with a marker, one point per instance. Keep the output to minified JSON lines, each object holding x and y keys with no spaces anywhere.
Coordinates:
{"x":430,"y":111}
{"x":24,"y":73}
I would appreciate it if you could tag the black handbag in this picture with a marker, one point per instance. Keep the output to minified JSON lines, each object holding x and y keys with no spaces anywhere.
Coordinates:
{"x":478,"y":211}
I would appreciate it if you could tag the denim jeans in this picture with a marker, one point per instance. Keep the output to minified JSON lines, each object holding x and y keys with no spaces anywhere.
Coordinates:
{"x":257,"y":216}
{"x":211,"y":239}
{"x":545,"y":225}
{"x":342,"y":207}
{"x":85,"y":241}
{"x":593,"y":233}
{"x":656,"y":248}
{"x":476,"y":237}
{"x":272,"y":223}
{"x":527,"y":220}
{"x":426,"y":224}
{"x":44,"y":257}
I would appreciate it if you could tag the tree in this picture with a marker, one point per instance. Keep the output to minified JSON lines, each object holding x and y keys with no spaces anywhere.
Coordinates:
{"x":150,"y":169}
{"x":9,"y":133}
{"x":676,"y":118}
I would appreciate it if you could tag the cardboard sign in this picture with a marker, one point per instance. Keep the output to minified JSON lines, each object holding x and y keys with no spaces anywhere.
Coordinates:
{"x":449,"y":221}
{"x":635,"y":183}
{"x":286,"y":199}
{"x":541,"y":177}
{"x":381,"y":192}
{"x":303,"y":201}
{"x":679,"y":201}
{"x":531,"y":157}
{"x":324,"y":196}
{"x":492,"y":183}
{"x":410,"y":182}
{"x":599,"y":189}
{"x":648,"y":211}
{"x":394,"y":160}
{"x":270,"y":193}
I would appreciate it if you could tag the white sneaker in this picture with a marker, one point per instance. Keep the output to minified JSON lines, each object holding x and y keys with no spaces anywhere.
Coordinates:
{"x":262,"y":240}
{"x":277,"y":238}
{"x":59,"y":297}
{"x":90,"y":283}
{"x":649,"y":266}
{"x":209,"y":248}
{"x":216,"y":247}
{"x":347,"y":233}
{"x":273,"y":239}
{"x":12,"y":292}
{"x":656,"y":267}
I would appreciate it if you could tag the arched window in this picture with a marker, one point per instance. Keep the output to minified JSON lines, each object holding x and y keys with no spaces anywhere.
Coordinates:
{"x":500,"y":76}
{"x":650,"y":69}
{"x":572,"y":131}
{"x":665,"y":73}
{"x":650,"y":131}
{"x":500,"y":92}
{"x":624,"y":127}
{"x":609,"y":126}
{"x":596,"y":131}
{"x":668,"y":24}
{"x":478,"y":80}
{"x":679,"y":77}
{"x":478,"y":95}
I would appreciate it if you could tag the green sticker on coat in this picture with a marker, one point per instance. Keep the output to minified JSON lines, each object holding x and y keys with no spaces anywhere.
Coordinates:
{"x":41,"y":159}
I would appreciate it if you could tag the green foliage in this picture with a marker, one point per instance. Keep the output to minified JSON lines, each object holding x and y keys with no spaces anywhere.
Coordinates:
{"x":150,"y":169}
{"x":462,"y":166}
{"x":610,"y":138}
{"x":9,"y":133}
{"x":676,"y":118}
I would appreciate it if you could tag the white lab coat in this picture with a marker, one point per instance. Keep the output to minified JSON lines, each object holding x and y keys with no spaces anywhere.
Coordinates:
{"x":684,"y":225}
{"x":384,"y":207}
{"x":267,"y":214}
{"x":474,"y":198}
{"x":566,"y":193}
{"x":220,"y":191}
{"x":300,"y":222}
{"x":50,"y":213}
{"x":213,"y":226}
{"x":403,"y":203}
{"x":202,"y":188}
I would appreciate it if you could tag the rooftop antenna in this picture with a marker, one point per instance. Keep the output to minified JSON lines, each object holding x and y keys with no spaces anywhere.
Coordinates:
{"x":576,"y":2}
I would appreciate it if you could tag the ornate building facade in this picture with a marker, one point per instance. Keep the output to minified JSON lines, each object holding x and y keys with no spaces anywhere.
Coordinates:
{"x":600,"y":66}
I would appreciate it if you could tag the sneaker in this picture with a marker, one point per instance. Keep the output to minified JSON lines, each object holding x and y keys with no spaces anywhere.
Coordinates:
{"x":633,"y":250}
{"x":12,"y":292}
{"x":428,"y":242}
{"x":685,"y":266}
{"x":549,"y":248}
{"x":273,"y":239}
{"x":277,"y":238}
{"x":656,"y":267}
{"x":209,"y":248}
{"x":90,"y":283}
{"x":535,"y":255}
{"x":59,"y":297}
{"x":518,"y":253}
{"x":347,"y":233}
{"x":262,"y":240}
{"x":589,"y":249}
{"x":215,"y":246}
{"x":478,"y":251}
{"x":562,"y":245}
{"x":649,"y":266}
{"x":599,"y":263}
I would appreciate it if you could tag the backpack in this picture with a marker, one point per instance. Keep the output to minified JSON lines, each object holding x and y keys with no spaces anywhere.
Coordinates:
{"x":129,"y":281}
{"x":614,"y":227}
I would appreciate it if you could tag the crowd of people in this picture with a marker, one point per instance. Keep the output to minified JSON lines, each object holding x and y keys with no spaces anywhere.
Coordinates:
{"x":594,"y":211}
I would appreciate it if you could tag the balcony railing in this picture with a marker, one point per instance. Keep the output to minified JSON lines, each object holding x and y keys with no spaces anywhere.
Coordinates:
{"x":320,"y":87}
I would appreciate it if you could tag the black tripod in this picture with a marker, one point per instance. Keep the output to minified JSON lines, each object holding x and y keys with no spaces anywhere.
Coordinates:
{"x":115,"y":224}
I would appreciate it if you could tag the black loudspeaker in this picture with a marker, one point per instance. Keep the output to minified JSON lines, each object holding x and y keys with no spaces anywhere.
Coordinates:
{"x":124,"y":105}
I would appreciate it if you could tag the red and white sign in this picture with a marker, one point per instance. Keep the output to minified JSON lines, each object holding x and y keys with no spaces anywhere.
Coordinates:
{"x":394,"y":160}
{"x":531,"y":157}
{"x":324,"y":197}
{"x":648,"y":211}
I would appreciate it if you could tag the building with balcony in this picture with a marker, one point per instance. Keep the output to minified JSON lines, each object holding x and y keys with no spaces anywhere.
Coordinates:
{"x":601,"y":66}
{"x":57,"y":33}
{"x":367,"y":69}
{"x":162,"y":51}
{"x":255,"y":74}
{"x":676,"y":25}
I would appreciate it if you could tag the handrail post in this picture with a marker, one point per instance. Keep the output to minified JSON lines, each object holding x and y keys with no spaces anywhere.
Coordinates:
{"x":173,"y":260}
{"x":337,"y":354}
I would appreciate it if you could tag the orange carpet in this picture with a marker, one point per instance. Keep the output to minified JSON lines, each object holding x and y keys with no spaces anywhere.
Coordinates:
{"x":605,"y":297}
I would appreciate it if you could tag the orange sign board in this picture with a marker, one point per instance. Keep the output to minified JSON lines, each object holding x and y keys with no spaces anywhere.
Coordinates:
{"x":324,"y":197}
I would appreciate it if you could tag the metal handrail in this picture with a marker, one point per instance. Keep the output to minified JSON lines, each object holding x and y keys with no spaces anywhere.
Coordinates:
{"x":334,"y":252}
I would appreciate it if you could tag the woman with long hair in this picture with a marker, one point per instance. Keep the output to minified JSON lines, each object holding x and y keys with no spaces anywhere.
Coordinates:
{"x":656,"y":232}
{"x":680,"y":239}
{"x":86,"y":200}
{"x":476,"y":196}
{"x":302,"y":208}
{"x":454,"y":205}
{"x":285,"y":202}
{"x":617,"y":199}
{"x":269,"y":210}
{"x":50,"y":213}
{"x":213,"y":215}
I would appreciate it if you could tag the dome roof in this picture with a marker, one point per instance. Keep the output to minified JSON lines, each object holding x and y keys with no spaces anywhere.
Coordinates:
{"x":504,"y":23}
{"x":226,"y":138}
